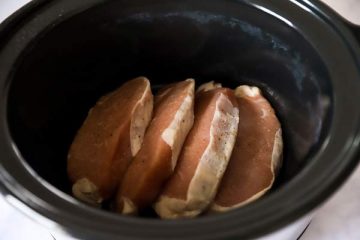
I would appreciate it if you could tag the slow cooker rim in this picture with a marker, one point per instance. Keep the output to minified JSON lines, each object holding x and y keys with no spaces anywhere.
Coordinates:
{"x":355,"y":154}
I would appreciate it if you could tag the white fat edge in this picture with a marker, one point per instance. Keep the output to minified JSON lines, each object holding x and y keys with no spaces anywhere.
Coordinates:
{"x":141,"y":117}
{"x":86,"y":191}
{"x":173,"y":208}
{"x":174,"y":135}
{"x":275,"y":164}
{"x":129,"y":207}
{"x":208,"y":86}
{"x":277,"y":153}
{"x":213,"y":162}
{"x":247,"y":91}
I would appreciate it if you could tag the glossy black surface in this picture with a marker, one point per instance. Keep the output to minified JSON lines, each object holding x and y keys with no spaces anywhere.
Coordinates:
{"x":356,"y":31}
{"x":58,"y":57}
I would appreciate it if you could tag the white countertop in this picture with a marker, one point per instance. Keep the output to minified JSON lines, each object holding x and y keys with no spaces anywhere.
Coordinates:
{"x":337,"y":219}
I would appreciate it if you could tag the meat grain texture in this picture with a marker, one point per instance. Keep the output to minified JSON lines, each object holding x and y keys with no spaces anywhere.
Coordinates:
{"x":155,"y":162}
{"x":204,"y":157}
{"x":257,"y":154}
{"x":108,"y":139}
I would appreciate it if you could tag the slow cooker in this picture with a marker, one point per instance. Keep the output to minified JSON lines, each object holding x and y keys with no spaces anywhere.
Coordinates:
{"x":57,"y":57}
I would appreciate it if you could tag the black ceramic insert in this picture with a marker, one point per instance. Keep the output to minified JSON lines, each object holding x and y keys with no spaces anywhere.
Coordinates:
{"x":84,"y":57}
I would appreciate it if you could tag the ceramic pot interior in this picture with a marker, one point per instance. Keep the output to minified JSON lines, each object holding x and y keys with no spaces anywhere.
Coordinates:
{"x":70,"y":65}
